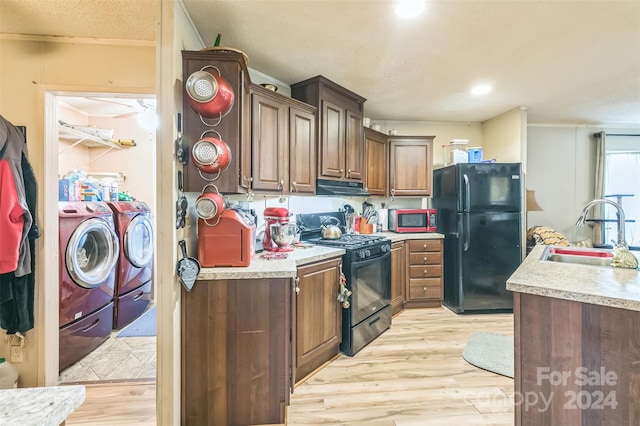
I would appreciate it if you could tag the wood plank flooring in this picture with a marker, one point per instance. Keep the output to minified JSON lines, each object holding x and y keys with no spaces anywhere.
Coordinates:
{"x":412,"y":375}
{"x":121,"y":404}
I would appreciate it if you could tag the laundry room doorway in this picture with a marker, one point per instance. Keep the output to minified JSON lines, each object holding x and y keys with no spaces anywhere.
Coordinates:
{"x":106,"y":173}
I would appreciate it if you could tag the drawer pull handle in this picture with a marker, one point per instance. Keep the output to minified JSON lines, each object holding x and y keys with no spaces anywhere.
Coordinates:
{"x":425,"y":258}
{"x":425,"y":271}
{"x":92,"y":325}
{"x":425,"y":289}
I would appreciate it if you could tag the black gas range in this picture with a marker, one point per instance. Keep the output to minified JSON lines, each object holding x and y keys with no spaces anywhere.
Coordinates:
{"x":367,"y":268}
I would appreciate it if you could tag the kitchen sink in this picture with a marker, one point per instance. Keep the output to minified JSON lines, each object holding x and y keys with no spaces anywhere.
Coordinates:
{"x":583,"y":256}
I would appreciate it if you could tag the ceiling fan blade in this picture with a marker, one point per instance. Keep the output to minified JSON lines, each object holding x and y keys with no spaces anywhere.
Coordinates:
{"x":128,"y":114}
{"x":110,"y":102}
{"x":145,"y":105}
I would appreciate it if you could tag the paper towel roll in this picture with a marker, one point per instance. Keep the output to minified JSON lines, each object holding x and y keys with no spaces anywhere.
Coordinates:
{"x":383,"y":218}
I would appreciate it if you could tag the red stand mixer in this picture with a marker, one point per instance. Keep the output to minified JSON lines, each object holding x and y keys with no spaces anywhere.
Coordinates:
{"x":279,"y":234}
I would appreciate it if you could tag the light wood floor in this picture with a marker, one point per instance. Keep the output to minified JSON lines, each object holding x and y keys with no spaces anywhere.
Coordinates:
{"x":412,"y":375}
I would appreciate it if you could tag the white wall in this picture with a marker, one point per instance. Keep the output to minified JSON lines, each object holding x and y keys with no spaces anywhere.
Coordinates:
{"x":73,"y":157}
{"x":503,"y":137}
{"x":561,"y":169}
{"x":29,"y":71}
{"x":135,"y":162}
{"x":176,"y":34}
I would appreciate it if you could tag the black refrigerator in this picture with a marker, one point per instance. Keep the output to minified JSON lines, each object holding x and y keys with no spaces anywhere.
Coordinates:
{"x":479,"y":212}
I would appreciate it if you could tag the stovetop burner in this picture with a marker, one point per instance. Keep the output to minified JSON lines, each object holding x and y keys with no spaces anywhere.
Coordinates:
{"x":349,"y":241}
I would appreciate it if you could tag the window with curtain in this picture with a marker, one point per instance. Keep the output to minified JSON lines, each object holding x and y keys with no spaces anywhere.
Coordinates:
{"x":622,"y":176}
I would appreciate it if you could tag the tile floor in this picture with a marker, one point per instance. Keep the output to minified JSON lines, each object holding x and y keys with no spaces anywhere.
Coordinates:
{"x":116,"y":359}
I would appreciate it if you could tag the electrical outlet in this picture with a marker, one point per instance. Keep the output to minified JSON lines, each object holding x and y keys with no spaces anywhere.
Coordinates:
{"x":15,"y":354}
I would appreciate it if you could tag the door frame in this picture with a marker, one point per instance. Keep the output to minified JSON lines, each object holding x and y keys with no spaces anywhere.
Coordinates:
{"x":48,"y":301}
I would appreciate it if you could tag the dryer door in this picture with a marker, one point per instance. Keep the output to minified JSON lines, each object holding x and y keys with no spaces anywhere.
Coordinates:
{"x":92,"y":253}
{"x":138,"y":241}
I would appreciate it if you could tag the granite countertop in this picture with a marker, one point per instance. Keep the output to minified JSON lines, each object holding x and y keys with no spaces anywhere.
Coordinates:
{"x":287,"y":268}
{"x":598,"y":285}
{"x":42,"y":406}
{"x":277,"y":268}
{"x":417,"y":236}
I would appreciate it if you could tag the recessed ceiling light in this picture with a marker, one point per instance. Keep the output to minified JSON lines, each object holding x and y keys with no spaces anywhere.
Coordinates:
{"x":409,"y":9}
{"x":481,"y":89}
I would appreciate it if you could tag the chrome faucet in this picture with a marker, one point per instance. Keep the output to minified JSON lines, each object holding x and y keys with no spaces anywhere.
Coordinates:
{"x":621,"y":235}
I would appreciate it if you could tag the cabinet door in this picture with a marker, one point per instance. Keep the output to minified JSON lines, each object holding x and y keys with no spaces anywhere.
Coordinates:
{"x":269,"y":140}
{"x":376,"y":161}
{"x":332,"y":143}
{"x":411,"y":166}
{"x":354,"y":156}
{"x":235,"y":352}
{"x":319,"y":315}
{"x":398,"y":276}
{"x":302,"y":151}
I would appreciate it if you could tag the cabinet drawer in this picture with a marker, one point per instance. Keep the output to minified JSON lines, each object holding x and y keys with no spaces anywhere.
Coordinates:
{"x":428,"y":288}
{"x":425,"y":245}
{"x":424,"y":271}
{"x":426,"y":258}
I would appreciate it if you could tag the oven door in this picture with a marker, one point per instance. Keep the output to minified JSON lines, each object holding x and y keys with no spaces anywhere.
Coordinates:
{"x":370,"y":283}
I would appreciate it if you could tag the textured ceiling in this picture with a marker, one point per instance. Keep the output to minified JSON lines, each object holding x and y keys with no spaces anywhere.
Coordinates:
{"x":566,"y":61}
{"x":112,"y":19}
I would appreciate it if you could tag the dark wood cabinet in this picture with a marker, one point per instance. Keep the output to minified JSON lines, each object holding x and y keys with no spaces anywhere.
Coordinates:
{"x":581,"y":360}
{"x":424,"y":274}
{"x":318,"y":315}
{"x":283,"y":143}
{"x":411,"y":165}
{"x":376,"y":162}
{"x":340,"y":132}
{"x":302,"y":149}
{"x":236,"y":352}
{"x":269,"y":137}
{"x":398,"y":276}
{"x":233,"y":128}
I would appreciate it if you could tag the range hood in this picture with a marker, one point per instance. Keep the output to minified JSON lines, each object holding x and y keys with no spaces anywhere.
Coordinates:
{"x":337,"y":187}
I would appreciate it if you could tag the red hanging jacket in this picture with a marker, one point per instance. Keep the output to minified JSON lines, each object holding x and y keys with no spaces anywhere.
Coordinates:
{"x":11,"y":220}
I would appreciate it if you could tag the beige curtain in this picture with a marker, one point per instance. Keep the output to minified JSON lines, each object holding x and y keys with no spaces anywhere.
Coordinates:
{"x":601,"y":152}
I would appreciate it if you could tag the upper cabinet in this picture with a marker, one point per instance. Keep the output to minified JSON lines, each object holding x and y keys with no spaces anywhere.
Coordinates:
{"x":376,"y":162}
{"x":283,"y":136}
{"x":340,"y":132}
{"x":233,"y":128}
{"x":410,"y":165}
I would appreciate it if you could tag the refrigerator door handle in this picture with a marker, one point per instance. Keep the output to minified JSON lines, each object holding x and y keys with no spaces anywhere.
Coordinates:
{"x":467,"y":225}
{"x":467,"y":193}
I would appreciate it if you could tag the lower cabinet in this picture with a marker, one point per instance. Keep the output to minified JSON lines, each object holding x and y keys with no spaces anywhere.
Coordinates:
{"x":424,"y":284}
{"x":318,"y":316}
{"x":236,"y":352}
{"x":398,"y":276}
